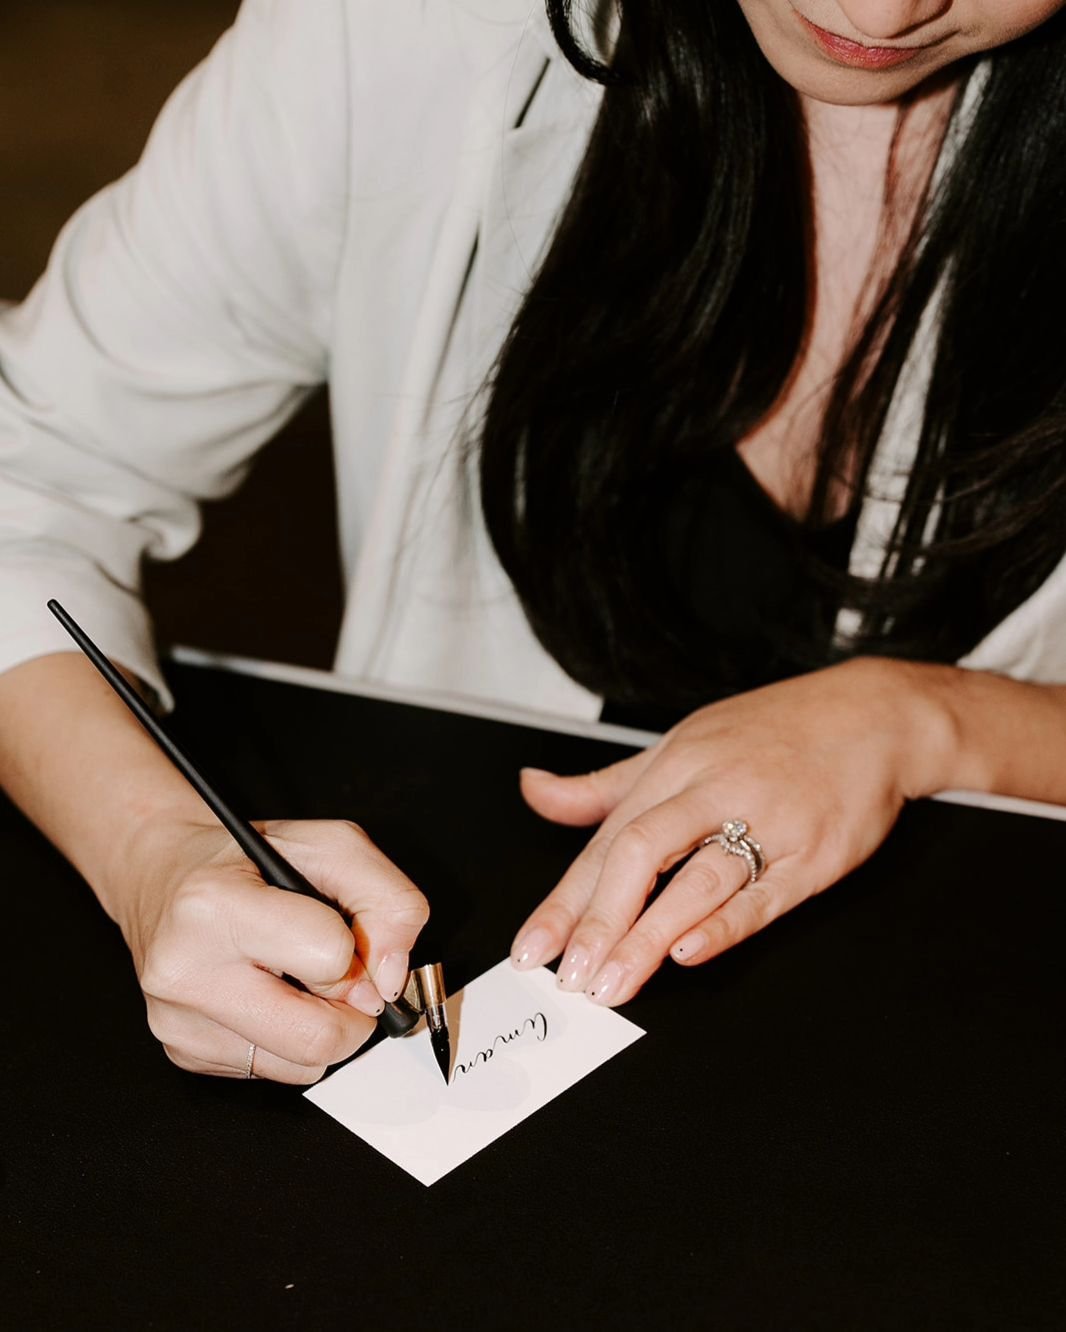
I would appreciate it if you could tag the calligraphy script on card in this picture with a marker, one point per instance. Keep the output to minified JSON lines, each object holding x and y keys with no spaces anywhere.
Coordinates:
{"x":517,"y":1044}
{"x":537,"y":1026}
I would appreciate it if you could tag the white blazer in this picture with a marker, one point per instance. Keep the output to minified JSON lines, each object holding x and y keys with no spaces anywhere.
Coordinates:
{"x":355,"y":190}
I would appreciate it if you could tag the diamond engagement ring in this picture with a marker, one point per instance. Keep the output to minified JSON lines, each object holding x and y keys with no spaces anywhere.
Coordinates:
{"x":733,"y":837}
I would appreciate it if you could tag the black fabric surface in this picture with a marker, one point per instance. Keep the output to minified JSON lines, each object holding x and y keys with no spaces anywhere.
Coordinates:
{"x":853,"y":1121}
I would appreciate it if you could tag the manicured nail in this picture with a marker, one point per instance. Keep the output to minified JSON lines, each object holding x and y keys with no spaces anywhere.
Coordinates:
{"x":687,"y":947}
{"x":536,"y":772}
{"x":366,"y":999}
{"x":573,"y":974}
{"x":608,"y":984}
{"x":391,"y":976}
{"x":532,"y":949}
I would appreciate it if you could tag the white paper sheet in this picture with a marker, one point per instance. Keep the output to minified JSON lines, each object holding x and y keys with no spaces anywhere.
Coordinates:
{"x":517,"y":1042}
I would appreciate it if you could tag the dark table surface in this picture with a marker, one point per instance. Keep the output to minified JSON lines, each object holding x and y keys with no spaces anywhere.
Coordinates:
{"x":853,"y":1121}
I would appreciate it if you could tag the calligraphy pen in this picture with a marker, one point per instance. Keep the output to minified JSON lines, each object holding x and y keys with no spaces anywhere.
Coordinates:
{"x":425,"y":986}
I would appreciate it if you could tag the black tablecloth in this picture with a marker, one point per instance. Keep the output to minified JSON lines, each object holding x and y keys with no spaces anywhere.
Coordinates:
{"x":853,"y":1121}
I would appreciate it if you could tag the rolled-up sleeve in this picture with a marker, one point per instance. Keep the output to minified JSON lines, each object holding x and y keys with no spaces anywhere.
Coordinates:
{"x":185,"y":313}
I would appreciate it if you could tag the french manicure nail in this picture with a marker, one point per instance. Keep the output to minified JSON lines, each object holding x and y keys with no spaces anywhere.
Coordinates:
{"x":532,"y":949}
{"x":573,"y":973}
{"x":364,"y":997}
{"x":607,"y":984}
{"x":391,"y":976}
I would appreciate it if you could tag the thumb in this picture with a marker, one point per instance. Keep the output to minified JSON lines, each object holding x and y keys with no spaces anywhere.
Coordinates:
{"x":584,"y":799}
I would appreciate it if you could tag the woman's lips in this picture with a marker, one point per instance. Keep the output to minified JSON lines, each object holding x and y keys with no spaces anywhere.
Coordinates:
{"x":846,"y":52}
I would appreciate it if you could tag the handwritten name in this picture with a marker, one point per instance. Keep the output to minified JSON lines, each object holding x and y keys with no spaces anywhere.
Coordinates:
{"x":537,"y":1025}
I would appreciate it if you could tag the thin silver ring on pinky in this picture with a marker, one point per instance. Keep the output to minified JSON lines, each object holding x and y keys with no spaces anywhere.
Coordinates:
{"x":735,"y":839}
{"x":249,"y":1061}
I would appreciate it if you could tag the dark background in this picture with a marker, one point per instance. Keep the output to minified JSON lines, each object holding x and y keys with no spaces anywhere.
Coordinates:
{"x":80,"y":84}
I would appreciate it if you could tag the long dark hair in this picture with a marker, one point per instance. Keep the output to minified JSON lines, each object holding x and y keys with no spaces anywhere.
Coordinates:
{"x":670,"y":310}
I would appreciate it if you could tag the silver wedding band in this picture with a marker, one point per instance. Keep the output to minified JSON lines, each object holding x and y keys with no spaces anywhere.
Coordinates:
{"x":735,"y":840}
{"x":249,"y":1062}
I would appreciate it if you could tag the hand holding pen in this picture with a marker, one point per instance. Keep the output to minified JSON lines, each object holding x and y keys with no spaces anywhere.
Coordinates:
{"x":215,"y":946}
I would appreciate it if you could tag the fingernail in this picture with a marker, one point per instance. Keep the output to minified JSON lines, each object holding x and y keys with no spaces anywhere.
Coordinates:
{"x":687,"y":947}
{"x":573,"y":973}
{"x":366,"y":999}
{"x":532,"y":949}
{"x":608,"y":984}
{"x":391,"y":976}
{"x":535,"y":772}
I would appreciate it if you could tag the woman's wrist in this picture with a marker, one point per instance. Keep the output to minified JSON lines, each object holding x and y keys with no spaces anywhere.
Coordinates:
{"x":144,"y":857}
{"x":962,"y":729}
{"x":85,"y":771}
{"x":913,"y":707}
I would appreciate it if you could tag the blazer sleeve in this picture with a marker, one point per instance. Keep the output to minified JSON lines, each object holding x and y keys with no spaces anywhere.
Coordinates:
{"x":185,"y":312}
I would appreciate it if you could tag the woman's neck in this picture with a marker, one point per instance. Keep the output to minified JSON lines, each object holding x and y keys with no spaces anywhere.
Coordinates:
{"x":870,"y":167}
{"x":879,"y":155}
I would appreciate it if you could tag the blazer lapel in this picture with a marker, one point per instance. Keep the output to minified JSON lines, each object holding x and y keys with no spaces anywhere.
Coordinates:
{"x":540,"y":141}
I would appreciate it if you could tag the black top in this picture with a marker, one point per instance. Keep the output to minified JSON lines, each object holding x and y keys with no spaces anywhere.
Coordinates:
{"x":739,"y":569}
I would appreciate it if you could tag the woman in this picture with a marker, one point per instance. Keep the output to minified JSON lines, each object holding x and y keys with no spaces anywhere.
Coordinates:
{"x":747,"y":357}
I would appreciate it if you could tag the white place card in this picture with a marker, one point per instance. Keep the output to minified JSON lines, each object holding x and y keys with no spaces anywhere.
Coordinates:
{"x":517,"y":1042}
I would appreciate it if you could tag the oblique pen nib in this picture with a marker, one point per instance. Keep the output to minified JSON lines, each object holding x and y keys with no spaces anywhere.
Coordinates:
{"x":442,"y":1051}
{"x":429,"y":982}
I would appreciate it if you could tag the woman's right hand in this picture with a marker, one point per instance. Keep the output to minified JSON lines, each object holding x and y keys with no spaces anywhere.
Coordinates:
{"x":211,"y":942}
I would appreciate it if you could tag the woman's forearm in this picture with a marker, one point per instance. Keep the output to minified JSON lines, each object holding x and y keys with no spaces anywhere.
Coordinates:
{"x":210,"y":941}
{"x":83,"y":769}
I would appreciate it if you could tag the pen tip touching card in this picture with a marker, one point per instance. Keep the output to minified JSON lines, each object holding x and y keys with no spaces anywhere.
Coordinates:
{"x":519,"y":1045}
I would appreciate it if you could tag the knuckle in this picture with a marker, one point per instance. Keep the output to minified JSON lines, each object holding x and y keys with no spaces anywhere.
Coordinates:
{"x":597,"y":921}
{"x":759,"y":907}
{"x":182,"y":1059}
{"x":161,"y":1022}
{"x":165,"y":974}
{"x":332,"y":949}
{"x":555,"y":918}
{"x":700,"y":881}
{"x":641,"y":954}
{"x":722,"y":932}
{"x":322,"y":1041}
{"x":198,"y":906}
{"x":654,"y":934}
{"x":411,"y":908}
{"x":679,"y":753}
{"x":597,"y":849}
{"x":350,"y":831}
{"x":600,"y":783}
{"x":745,"y":913}
{"x":647,"y":943}
{"x":633,"y":846}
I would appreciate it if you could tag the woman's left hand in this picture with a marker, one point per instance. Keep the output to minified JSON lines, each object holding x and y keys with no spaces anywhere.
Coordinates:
{"x":818,"y":767}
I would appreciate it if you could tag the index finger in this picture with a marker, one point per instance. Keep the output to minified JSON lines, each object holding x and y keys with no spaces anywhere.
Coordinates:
{"x":654,"y":841}
{"x":387,"y":910}
{"x":287,"y":933}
